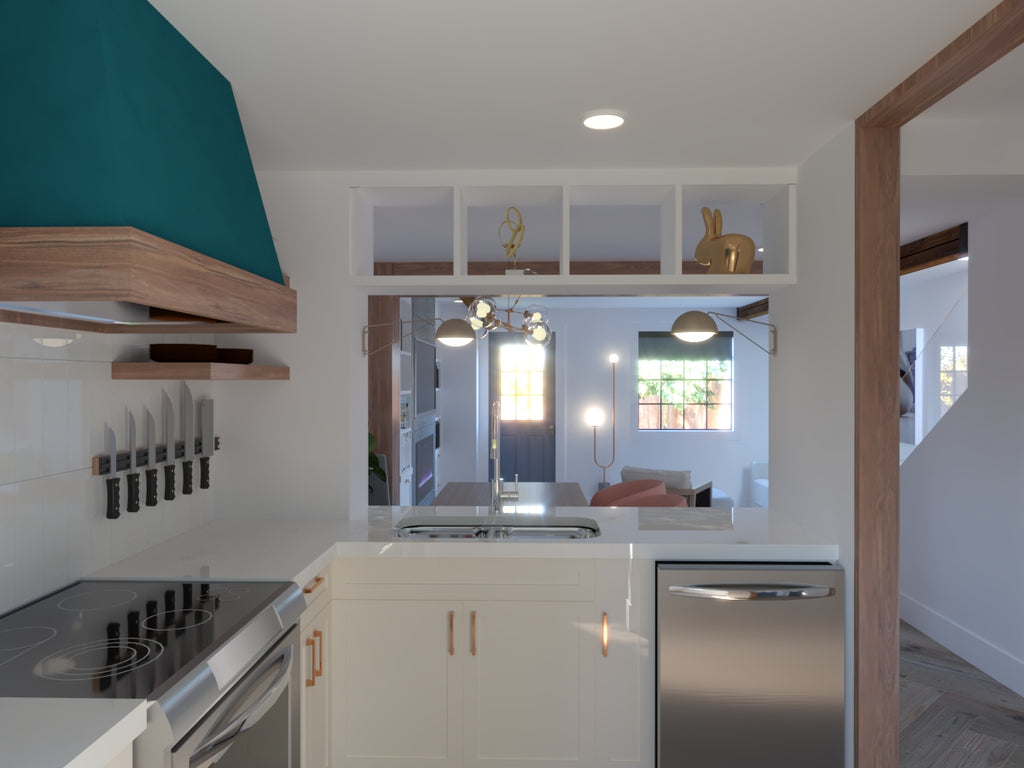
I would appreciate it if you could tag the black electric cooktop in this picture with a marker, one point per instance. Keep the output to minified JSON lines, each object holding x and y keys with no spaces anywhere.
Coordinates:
{"x":121,"y":639}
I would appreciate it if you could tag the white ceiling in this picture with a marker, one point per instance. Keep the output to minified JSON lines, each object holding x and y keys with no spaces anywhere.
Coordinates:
{"x":439,"y":84}
{"x":456,"y":84}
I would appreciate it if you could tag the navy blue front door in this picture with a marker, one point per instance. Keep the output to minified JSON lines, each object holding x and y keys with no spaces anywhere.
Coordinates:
{"x":525,"y":386}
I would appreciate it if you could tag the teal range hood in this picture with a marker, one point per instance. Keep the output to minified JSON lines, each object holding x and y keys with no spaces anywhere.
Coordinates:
{"x":113,"y":119}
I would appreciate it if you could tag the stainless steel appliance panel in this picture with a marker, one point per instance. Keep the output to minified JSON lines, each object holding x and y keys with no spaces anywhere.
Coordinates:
{"x":256,"y":724}
{"x":750,"y":665}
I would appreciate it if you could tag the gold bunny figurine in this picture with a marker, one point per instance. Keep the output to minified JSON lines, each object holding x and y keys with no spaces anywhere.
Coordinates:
{"x":723,"y":254}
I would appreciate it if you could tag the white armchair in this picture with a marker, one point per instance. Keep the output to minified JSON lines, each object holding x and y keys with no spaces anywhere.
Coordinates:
{"x":759,"y":483}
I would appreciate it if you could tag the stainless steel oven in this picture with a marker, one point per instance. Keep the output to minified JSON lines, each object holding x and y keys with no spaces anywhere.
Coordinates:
{"x":218,"y":662}
{"x":256,"y":723}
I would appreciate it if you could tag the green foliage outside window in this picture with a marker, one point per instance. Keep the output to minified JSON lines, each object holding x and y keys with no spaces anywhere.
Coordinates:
{"x":952,"y":374}
{"x":685,"y":394}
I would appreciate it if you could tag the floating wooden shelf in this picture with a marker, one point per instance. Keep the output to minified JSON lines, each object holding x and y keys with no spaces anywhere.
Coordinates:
{"x":69,"y":265}
{"x":199,"y":372}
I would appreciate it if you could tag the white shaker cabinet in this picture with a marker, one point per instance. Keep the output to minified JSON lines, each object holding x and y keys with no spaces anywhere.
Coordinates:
{"x":624,"y":665}
{"x":464,"y":662}
{"x":528,"y":692}
{"x":315,"y":716}
{"x":398,"y":699}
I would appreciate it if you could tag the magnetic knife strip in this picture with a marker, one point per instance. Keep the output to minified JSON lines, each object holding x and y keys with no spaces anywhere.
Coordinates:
{"x":101,"y":464}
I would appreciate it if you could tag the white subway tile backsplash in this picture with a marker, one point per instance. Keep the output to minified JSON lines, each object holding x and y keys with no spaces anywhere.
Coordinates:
{"x":54,"y":404}
{"x":28,"y":543}
{"x":54,"y":444}
{"x":7,"y":397}
{"x":26,"y":418}
{"x":8,"y":547}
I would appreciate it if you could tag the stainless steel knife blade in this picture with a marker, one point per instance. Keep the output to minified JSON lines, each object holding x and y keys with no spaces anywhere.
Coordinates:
{"x":188,"y":437}
{"x":151,"y":482}
{"x":169,"y":456}
{"x":133,"y":473}
{"x":207,"y":440}
{"x":113,"y":482}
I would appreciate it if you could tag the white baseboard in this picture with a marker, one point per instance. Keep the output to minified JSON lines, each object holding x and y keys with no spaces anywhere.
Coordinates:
{"x":990,"y":659}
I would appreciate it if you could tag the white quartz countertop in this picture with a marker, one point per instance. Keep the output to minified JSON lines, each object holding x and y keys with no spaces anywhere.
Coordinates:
{"x":91,"y":732}
{"x":296,"y":550}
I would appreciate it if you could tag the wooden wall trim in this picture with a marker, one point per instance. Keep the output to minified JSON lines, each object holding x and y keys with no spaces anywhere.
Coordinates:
{"x":937,"y":248}
{"x":489,"y":268}
{"x":383,"y":370}
{"x":577,"y":267}
{"x":876,"y":448}
{"x":103,"y":264}
{"x":989,"y":39}
{"x":876,"y":461}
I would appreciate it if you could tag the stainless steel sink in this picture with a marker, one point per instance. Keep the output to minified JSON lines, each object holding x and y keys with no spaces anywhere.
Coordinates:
{"x":501,"y":527}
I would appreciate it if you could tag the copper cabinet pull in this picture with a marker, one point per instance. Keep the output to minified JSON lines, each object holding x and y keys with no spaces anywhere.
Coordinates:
{"x":313,"y":585}
{"x":604,"y":634}
{"x":311,"y":644}
{"x":472,"y":633}
{"x":451,"y":633}
{"x":319,"y":671}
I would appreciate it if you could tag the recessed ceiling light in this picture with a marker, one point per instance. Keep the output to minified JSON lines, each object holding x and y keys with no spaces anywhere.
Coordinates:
{"x":603,"y":119}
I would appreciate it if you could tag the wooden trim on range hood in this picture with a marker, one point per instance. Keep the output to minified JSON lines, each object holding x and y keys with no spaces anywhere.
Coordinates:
{"x":124,"y":264}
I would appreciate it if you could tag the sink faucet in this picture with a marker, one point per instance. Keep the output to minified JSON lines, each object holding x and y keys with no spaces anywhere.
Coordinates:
{"x":498,"y":495}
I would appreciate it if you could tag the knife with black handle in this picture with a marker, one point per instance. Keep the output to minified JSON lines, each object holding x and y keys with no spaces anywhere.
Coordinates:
{"x":113,"y":482}
{"x":133,"y":471}
{"x":151,"y":473}
{"x":188,"y":437}
{"x":206,"y":441}
{"x":169,"y":449}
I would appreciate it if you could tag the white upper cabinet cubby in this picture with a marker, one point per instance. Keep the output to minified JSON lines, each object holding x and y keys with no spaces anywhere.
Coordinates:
{"x":585,"y":238}
{"x":761,"y":212}
{"x":483,"y":211}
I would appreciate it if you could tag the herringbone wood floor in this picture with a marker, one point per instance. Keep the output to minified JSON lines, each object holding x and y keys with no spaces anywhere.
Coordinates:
{"x":951,"y":714}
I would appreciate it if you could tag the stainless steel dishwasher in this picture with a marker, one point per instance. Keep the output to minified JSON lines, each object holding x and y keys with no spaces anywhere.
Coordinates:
{"x":750,"y":665}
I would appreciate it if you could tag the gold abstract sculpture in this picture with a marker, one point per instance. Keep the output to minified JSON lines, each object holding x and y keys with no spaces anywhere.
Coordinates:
{"x":516,"y":229}
{"x":723,"y":254}
{"x":484,"y":311}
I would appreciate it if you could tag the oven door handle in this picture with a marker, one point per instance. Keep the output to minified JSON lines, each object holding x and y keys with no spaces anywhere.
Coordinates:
{"x":213,"y":747}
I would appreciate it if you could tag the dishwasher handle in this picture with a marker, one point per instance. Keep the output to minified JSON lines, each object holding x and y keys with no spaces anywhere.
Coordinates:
{"x":213,"y":747}
{"x":753,"y":591}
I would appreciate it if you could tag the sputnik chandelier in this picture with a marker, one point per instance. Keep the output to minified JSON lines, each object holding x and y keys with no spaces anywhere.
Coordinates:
{"x":485,"y":313}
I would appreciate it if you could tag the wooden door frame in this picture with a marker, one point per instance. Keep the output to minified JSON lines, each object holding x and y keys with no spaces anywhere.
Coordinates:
{"x":876,"y":408}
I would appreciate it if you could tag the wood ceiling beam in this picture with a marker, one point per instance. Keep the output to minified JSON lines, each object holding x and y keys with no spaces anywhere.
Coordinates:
{"x":752,"y":310}
{"x":938,"y":248}
{"x":989,"y":39}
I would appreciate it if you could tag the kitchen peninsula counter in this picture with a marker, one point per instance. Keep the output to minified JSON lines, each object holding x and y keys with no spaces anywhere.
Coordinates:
{"x":296,"y":550}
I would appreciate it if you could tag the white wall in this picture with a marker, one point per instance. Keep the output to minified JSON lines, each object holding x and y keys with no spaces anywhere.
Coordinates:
{"x":934,"y":301}
{"x":583,"y":340}
{"x":294,"y":443}
{"x":55,"y":403}
{"x":812,"y":376}
{"x":812,"y":409}
{"x":464,"y":417}
{"x":961,"y":574}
